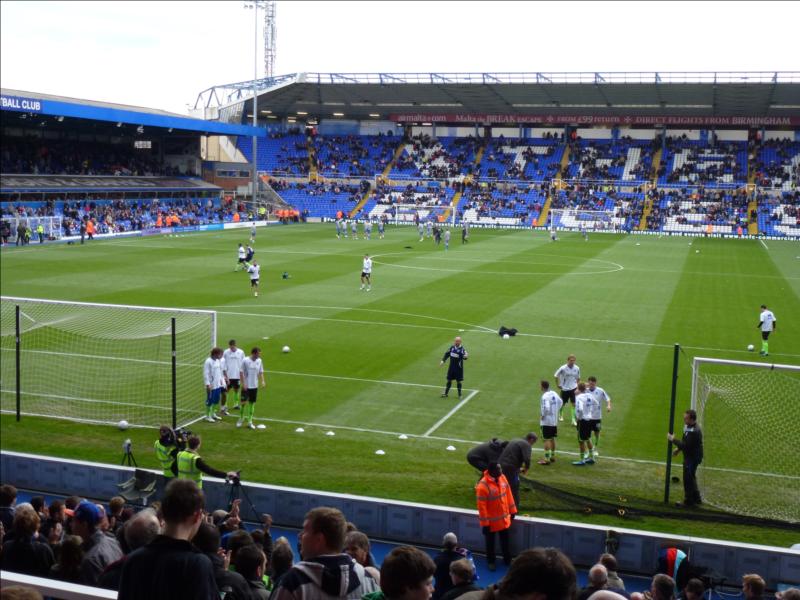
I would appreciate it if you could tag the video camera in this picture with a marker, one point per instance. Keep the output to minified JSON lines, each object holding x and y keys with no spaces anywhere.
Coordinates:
{"x":179,"y":437}
{"x":236,"y":480}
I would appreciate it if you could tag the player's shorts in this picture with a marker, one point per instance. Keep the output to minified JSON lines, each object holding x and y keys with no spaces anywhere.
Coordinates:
{"x":242,"y":261}
{"x":596,"y":425}
{"x":250,"y":394}
{"x":233,"y":384}
{"x":366,"y":273}
{"x":549,"y":432}
{"x":455,"y":375}
{"x":213,"y":396}
{"x":584,"y":430}
{"x":765,"y":335}
{"x":568,"y":396}
{"x":254,"y":283}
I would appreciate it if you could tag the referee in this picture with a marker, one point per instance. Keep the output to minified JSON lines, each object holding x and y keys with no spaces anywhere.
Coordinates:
{"x":457,"y":354}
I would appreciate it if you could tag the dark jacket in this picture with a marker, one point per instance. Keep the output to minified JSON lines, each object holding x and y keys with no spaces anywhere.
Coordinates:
{"x":489,"y":452}
{"x":27,"y":556}
{"x":516,"y":456}
{"x":691,"y":444}
{"x":442,"y":574}
{"x":229,"y":581}
{"x":459,"y":590}
{"x":168,"y":569}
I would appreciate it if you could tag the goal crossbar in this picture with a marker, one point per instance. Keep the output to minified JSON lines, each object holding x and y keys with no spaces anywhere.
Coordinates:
{"x":699,"y":360}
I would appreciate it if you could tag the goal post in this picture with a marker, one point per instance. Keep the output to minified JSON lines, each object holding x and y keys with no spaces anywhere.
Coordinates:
{"x":576,"y":219}
{"x":103,"y":363}
{"x":747,"y":413}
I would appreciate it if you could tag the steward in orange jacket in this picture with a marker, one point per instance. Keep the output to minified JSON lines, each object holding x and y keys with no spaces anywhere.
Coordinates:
{"x":496,"y":510}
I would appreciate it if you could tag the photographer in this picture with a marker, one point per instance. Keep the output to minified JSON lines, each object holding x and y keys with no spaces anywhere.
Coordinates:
{"x":167,"y":449}
{"x":191,"y":466}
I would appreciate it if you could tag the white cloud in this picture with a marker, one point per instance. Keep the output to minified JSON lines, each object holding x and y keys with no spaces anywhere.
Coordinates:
{"x":161,"y":54}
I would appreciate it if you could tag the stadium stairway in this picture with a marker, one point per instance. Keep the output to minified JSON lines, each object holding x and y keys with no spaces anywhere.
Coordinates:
{"x":312,"y":163}
{"x":467,"y":180}
{"x":397,"y":154}
{"x":657,"y":164}
{"x":752,"y":226}
{"x":542,"y":220}
{"x":364,"y":199}
{"x":648,"y":208}
{"x":564,"y":168}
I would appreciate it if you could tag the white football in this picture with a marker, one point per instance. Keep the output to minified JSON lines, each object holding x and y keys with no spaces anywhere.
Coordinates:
{"x":286,"y":349}
{"x":506,"y":336}
{"x":123,"y":425}
{"x":751,"y":347}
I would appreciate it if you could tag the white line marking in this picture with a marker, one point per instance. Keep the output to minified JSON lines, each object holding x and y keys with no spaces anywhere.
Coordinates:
{"x":763,"y":244}
{"x":113,"y":402}
{"x":453,"y":410}
{"x":425,"y":385}
{"x":474,"y":442}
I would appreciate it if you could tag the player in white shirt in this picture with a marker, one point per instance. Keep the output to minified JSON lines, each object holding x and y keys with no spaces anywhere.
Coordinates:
{"x":550,"y":405}
{"x":254,"y":269}
{"x":366,"y":273}
{"x":253,"y":234}
{"x":584,"y":409}
{"x":232,"y":364}
{"x":767,"y":323}
{"x":568,"y":375}
{"x":354,"y":229}
{"x":242,"y":256}
{"x":446,"y":239}
{"x":367,"y":230}
{"x":215,"y":381}
{"x":600,"y":396}
{"x":429,"y":225}
{"x":252,"y":374}
{"x":421,"y":229}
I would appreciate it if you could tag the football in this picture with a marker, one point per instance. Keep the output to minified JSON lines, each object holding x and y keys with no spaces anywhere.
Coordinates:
{"x":123,"y":425}
{"x":506,"y":336}
{"x":751,"y":348}
{"x":286,"y":349}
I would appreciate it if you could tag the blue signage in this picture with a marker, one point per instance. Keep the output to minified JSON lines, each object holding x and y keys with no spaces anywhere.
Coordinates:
{"x":21,"y":104}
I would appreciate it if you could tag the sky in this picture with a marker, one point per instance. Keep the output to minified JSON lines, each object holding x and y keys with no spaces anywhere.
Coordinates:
{"x":162,"y":54}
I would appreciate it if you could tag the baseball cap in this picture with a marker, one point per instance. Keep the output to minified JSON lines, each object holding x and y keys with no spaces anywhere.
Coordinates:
{"x":88,"y":512}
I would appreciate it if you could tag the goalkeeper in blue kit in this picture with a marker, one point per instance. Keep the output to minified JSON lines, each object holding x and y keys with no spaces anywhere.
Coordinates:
{"x":456,"y":354}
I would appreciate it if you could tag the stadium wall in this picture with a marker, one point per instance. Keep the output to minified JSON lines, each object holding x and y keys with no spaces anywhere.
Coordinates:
{"x":422,"y":524}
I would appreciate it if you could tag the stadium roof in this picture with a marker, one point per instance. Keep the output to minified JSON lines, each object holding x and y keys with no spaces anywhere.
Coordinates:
{"x":34,"y":103}
{"x":458,"y":97}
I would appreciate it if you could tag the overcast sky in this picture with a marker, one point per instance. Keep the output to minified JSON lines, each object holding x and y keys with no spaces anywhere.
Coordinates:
{"x":162,"y":54}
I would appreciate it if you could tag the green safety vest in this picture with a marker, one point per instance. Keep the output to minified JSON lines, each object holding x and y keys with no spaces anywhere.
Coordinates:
{"x":187,"y":467}
{"x":164,"y":458}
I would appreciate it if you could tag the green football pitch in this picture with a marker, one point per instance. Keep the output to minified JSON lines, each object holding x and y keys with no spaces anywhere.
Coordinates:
{"x":364,"y":366}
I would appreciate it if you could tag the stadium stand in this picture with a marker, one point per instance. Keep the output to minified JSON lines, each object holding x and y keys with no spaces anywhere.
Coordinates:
{"x":525,"y":159}
{"x":694,"y":162}
{"x":610,"y":160}
{"x":776,"y":164}
{"x":353,"y":155}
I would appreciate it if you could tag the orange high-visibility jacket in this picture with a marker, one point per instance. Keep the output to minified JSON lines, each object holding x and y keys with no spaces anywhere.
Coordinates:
{"x":495,"y":502}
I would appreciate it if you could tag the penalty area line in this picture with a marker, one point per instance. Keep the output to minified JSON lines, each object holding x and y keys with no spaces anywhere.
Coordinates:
{"x":763,"y":244}
{"x":453,"y":411}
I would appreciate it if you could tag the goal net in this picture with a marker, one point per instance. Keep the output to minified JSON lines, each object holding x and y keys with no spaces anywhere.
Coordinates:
{"x":575,"y":219}
{"x":747,"y":412}
{"x":50,"y":225}
{"x":103,"y":363}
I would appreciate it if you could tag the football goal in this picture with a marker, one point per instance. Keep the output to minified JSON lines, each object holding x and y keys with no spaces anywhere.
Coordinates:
{"x":103,"y":363}
{"x":576,"y":219}
{"x":746,"y":411}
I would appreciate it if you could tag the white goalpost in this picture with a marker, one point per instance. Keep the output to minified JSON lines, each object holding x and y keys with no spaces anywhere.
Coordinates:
{"x":576,"y":219}
{"x":103,"y":363}
{"x":748,"y":414}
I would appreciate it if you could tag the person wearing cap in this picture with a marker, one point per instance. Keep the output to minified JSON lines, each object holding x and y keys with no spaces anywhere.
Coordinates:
{"x":496,"y":510}
{"x":449,"y":554}
{"x":191,"y":466}
{"x":166,"y":452}
{"x":515,"y":460}
{"x":100,"y":550}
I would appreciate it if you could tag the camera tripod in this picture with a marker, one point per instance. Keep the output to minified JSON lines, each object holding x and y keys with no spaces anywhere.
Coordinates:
{"x":236,"y":491}
{"x":128,"y":458}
